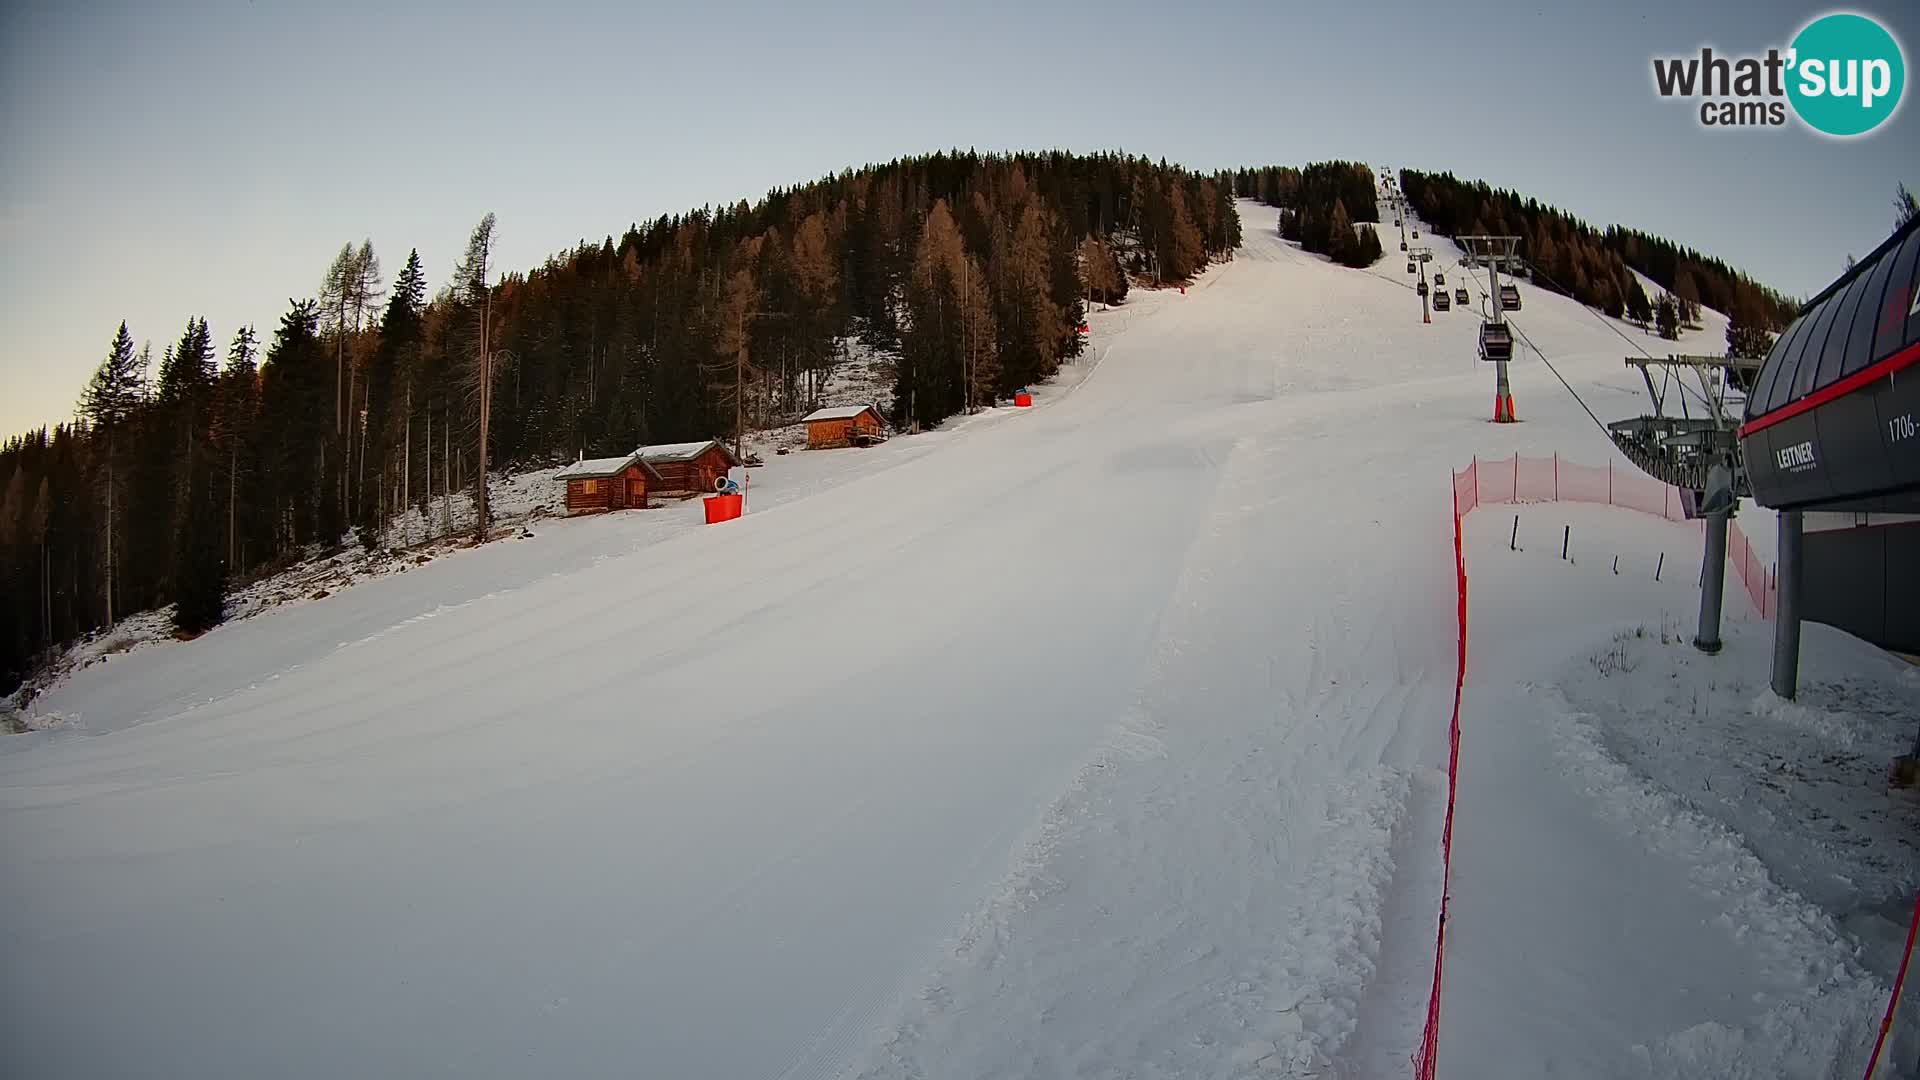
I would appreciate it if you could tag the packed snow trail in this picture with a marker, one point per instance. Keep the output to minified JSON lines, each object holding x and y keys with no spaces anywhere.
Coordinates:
{"x":1616,"y":928}
{"x":1100,"y":737}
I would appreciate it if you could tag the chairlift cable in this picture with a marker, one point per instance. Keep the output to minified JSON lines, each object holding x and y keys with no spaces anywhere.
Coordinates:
{"x":1637,"y":347}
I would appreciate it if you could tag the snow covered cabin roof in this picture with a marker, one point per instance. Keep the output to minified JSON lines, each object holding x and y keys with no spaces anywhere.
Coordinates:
{"x":595,"y":468}
{"x":839,"y":412}
{"x":681,"y":451}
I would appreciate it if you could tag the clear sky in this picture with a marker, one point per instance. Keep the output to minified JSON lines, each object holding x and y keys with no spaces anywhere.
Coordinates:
{"x":208,"y":157}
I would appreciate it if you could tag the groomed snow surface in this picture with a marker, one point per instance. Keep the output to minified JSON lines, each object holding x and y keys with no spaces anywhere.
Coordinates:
{"x":1661,"y":869}
{"x":1104,"y":738}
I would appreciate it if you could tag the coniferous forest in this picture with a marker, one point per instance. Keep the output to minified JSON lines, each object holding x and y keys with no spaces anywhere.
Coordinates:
{"x":237,"y":454}
{"x":1568,"y":256}
{"x":1320,"y":206}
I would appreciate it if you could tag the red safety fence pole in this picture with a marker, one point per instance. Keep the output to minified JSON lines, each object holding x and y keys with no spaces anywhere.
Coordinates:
{"x":1893,"y":1000}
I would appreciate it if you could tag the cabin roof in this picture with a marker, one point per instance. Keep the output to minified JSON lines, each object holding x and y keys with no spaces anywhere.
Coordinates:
{"x":662,"y":453}
{"x":839,"y":412}
{"x":595,"y":468}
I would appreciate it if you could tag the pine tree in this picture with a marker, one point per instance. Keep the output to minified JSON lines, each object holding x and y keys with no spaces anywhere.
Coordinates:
{"x":1905,"y":207}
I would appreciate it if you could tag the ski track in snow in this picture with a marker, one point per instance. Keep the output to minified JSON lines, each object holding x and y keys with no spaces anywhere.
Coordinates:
{"x":1104,"y":738}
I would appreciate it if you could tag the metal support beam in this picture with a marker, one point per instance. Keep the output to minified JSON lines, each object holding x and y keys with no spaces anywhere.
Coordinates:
{"x":1713,"y":583}
{"x":1786,"y":618}
{"x":1495,"y":249}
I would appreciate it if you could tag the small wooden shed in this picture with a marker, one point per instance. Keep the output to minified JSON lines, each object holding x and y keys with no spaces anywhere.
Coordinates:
{"x":617,"y":483}
{"x":847,"y":425}
{"x":688,"y":468}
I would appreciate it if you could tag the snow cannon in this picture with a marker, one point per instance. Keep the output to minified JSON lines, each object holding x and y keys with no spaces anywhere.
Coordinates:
{"x":723,"y":507}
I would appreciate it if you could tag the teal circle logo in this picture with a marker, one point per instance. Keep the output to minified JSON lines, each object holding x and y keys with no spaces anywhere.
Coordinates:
{"x":1847,"y":74}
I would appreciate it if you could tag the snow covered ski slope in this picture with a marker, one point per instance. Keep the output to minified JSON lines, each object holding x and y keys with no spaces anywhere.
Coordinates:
{"x":1103,"y":738}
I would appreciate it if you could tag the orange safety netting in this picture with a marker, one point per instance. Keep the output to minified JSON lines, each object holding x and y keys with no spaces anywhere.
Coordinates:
{"x":1524,"y":480}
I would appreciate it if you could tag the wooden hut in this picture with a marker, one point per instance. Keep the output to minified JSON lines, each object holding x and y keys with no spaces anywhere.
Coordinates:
{"x":688,"y":468}
{"x":617,"y":483}
{"x":849,"y":425}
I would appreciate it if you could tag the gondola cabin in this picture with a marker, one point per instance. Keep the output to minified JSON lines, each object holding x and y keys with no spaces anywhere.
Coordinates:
{"x":1460,"y":296}
{"x":1441,"y":301}
{"x":1423,"y":288}
{"x":1496,"y":341}
{"x":851,"y":425}
{"x":616,"y":483}
{"x":689,"y":468}
{"x":1509,"y":298}
{"x":1439,"y":279}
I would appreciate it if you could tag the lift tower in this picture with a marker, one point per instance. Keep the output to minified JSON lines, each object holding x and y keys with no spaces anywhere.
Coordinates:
{"x":1700,"y":455}
{"x":1420,"y":255}
{"x":1494,"y":250}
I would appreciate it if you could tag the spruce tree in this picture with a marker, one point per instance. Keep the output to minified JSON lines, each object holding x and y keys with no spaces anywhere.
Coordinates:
{"x":1746,"y":337}
{"x":111,"y":399}
{"x":399,"y":343}
{"x":1666,"y":317}
{"x":199,"y":575}
{"x":1639,"y":308}
{"x":235,"y":402}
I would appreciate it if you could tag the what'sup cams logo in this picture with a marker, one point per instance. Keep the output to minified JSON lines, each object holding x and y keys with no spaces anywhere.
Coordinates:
{"x":1843,"y":75}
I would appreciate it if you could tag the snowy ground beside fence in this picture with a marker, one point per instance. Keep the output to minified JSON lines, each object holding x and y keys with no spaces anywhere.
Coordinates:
{"x":1704,"y":881}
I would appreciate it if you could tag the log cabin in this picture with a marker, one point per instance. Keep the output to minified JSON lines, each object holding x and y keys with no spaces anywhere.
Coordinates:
{"x":848,"y":425}
{"x":688,"y":468}
{"x":601,"y":484}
